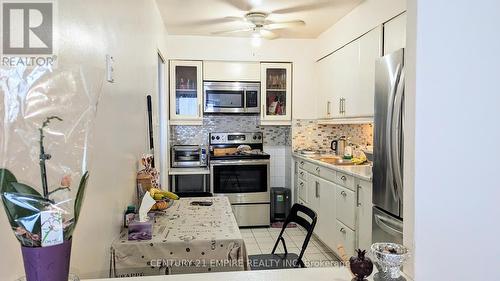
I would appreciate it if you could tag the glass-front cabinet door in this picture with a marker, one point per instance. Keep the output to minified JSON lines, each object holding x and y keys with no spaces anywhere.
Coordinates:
{"x":276,"y":84}
{"x":186,"y":93}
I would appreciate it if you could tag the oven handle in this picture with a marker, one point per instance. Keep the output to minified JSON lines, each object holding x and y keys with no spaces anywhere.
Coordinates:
{"x":238,"y":162}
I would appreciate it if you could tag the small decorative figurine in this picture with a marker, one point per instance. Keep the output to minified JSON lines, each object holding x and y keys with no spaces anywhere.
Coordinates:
{"x":360,"y":265}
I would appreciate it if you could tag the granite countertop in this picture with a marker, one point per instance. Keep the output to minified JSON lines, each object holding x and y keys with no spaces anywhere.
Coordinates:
{"x":363,"y":172}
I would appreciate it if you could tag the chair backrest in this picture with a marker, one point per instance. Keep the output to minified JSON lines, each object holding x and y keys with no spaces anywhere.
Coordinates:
{"x":297,"y":215}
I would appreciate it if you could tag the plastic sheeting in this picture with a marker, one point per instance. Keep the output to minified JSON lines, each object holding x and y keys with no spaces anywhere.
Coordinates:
{"x":46,"y":118}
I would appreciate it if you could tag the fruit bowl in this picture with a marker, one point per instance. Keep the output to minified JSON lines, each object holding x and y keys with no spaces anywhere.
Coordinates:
{"x":390,"y":257}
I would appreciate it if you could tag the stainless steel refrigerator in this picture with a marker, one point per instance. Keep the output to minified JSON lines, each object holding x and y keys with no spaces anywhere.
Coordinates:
{"x":387,"y":223}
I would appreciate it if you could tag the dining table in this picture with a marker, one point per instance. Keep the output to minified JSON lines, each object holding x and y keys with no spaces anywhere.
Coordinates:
{"x":194,"y":235}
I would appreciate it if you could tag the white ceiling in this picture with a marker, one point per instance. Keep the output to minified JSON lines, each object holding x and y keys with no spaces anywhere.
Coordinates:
{"x":202,"y":17}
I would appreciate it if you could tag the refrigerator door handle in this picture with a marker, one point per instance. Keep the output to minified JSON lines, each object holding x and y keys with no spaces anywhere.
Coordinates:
{"x":389,"y":129}
{"x":388,"y":225}
{"x":396,"y":135}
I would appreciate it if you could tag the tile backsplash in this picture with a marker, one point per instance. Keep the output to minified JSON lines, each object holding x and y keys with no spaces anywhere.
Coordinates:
{"x":308,"y":134}
{"x":273,"y":135}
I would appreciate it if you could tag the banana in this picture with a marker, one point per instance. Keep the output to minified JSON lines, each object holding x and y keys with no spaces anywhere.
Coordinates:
{"x":158,"y":196}
{"x":171,"y":195}
{"x":154,"y":191}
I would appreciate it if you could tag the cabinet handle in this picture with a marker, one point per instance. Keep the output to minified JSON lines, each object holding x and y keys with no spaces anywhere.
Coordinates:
{"x":328,"y":104}
{"x":318,"y":169}
{"x":358,"y":187}
{"x":344,"y":178}
{"x":343,"y":193}
{"x":302,"y":174}
{"x":340,"y":106}
{"x":317,"y":189}
{"x":301,"y":163}
{"x":301,"y":184}
{"x":342,"y":230}
{"x":343,"y":105}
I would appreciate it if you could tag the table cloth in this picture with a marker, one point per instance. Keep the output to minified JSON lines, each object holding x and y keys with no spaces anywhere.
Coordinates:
{"x":186,"y":239}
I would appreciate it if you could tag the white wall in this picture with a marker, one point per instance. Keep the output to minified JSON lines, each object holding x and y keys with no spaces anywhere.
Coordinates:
{"x":298,"y":51}
{"x":131,"y":31}
{"x":454,"y":48}
{"x":363,"y":18}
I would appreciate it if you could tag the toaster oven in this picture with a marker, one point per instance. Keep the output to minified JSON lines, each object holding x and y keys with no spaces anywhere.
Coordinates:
{"x":188,"y":156}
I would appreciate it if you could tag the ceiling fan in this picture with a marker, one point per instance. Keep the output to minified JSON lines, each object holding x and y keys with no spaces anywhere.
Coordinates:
{"x":258,"y":23}
{"x":260,"y":26}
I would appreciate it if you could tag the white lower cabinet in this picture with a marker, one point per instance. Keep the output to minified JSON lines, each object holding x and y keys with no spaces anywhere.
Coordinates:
{"x":346,"y":237}
{"x":345,"y":205}
{"x":302,"y":190}
{"x":364,"y":212}
{"x":342,"y":203}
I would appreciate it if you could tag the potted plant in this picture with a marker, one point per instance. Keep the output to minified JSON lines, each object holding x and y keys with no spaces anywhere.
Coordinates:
{"x":44,"y":149}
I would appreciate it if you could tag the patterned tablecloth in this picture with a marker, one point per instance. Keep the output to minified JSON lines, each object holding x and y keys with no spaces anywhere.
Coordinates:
{"x":187,"y":239}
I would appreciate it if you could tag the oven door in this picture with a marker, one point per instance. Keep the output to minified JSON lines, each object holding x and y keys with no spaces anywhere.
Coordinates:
{"x":190,"y":183}
{"x":244,"y":181}
{"x":224,"y":97}
{"x":186,"y":157}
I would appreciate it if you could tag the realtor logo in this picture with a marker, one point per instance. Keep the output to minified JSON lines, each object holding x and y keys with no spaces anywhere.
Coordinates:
{"x":27,"y":28}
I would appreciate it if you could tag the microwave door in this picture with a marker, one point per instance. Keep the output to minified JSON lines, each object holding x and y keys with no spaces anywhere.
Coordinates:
{"x":224,"y":101}
{"x":252,"y":101}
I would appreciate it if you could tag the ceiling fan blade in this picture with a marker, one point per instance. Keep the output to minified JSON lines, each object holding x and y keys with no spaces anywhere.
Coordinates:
{"x":305,"y":8}
{"x":285,"y":24}
{"x":210,"y":22}
{"x":232,"y":31}
{"x":267,"y":34}
{"x":241,"y":5}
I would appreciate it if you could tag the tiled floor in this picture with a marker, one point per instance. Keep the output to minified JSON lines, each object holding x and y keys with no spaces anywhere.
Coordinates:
{"x":261,"y":241}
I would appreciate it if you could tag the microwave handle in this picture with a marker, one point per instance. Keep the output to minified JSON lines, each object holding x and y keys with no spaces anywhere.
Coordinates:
{"x":245,"y":99}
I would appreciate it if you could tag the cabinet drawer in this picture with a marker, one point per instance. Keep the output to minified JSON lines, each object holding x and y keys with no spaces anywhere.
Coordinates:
{"x":346,"y":237}
{"x":345,"y":206}
{"x":325,"y":173}
{"x":302,"y":189}
{"x":302,"y":174}
{"x":345,"y":180}
{"x":320,"y":171}
{"x":310,"y":167}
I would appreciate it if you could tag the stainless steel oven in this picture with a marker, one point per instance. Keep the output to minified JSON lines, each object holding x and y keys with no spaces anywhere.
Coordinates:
{"x":246,"y":183}
{"x":231,"y":97}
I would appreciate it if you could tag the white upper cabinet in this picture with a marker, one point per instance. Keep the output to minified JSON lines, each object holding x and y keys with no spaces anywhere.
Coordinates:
{"x":231,"y":71}
{"x":347,"y":78}
{"x":186,"y":93}
{"x":361,"y":102}
{"x":324,"y":72}
{"x":276,"y":93}
{"x":395,"y":34}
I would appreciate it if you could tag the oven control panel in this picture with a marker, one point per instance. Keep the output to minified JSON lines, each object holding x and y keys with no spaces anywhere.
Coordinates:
{"x":236,"y":138}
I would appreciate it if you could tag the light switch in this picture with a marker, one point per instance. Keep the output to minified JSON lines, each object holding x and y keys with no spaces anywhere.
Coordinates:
{"x":109,"y":69}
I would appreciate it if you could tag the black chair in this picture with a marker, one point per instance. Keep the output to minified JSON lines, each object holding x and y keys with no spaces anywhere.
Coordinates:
{"x":287,"y":260}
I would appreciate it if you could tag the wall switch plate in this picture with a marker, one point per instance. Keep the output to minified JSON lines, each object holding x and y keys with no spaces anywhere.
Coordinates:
{"x":109,"y":69}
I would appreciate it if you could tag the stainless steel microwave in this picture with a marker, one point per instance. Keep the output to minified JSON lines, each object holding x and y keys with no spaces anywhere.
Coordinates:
{"x":231,"y":97}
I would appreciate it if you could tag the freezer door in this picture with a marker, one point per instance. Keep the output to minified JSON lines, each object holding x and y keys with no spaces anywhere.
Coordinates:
{"x":387,"y":173}
{"x":386,"y":228}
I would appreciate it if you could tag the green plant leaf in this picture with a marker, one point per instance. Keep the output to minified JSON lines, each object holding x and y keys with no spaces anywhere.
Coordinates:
{"x":15,"y":210}
{"x":8,"y":183}
{"x":68,"y":233}
{"x":6,"y":177}
{"x":80,"y":195}
{"x":23,"y":210}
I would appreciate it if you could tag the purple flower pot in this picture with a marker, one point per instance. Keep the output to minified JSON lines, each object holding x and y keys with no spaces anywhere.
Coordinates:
{"x":47,"y":263}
